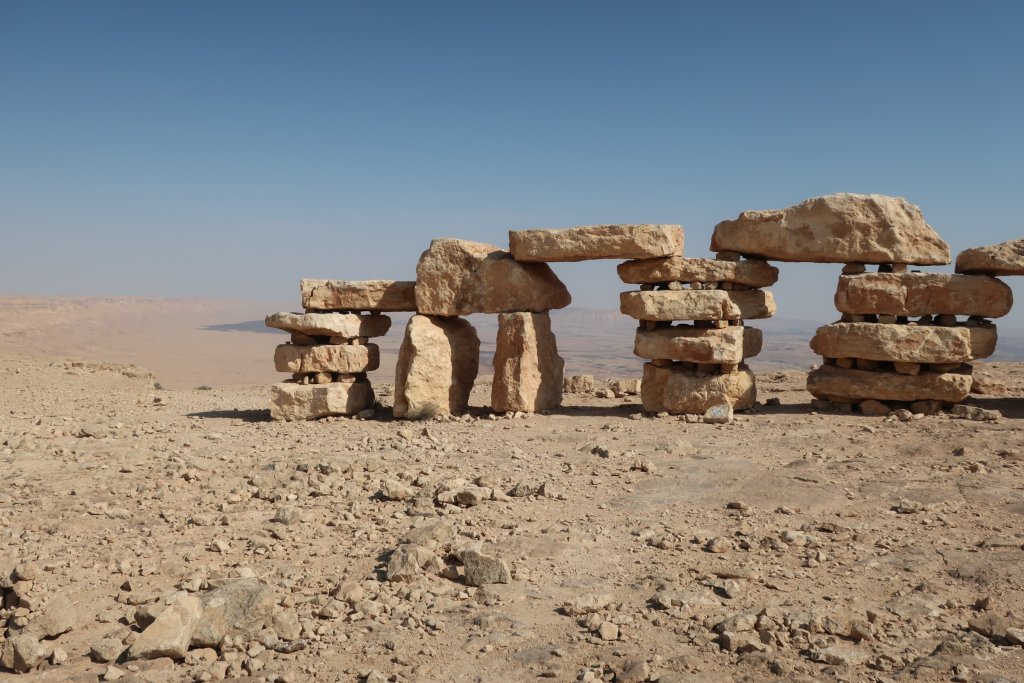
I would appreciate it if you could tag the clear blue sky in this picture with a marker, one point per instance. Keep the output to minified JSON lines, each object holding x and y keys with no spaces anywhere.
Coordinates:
{"x":230,"y":148}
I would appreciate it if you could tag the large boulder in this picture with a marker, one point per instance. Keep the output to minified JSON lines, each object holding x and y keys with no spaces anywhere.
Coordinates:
{"x":331,"y":324}
{"x":919,"y":294}
{"x":437,"y":365}
{"x":904,"y":343}
{"x":344,"y":358}
{"x":1005,"y":258}
{"x":358,"y":295}
{"x":596,"y":242}
{"x":458,"y":277}
{"x":697,"y":304}
{"x":729,"y":345}
{"x":836,"y":228}
{"x":853,"y":386}
{"x":676,"y":389}
{"x":747,"y":272}
{"x":291,"y":401}
{"x":527,"y":367}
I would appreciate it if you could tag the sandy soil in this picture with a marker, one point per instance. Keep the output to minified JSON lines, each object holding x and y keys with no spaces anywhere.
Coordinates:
{"x":788,"y":545}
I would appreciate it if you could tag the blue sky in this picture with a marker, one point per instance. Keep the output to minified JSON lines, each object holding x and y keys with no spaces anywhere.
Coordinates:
{"x":231,"y":148}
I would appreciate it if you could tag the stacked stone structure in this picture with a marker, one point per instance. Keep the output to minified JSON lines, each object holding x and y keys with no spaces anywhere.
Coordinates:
{"x":329,"y":353}
{"x":700,"y":364}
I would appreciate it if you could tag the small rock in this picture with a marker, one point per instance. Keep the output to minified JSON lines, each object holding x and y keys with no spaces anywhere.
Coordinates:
{"x":58,"y":617}
{"x":391,"y":489}
{"x":171,"y":632}
{"x":907,"y":507}
{"x":524,"y":489}
{"x":482,"y":569}
{"x":106,"y":650}
{"x":288,"y":515}
{"x":587,"y":604}
{"x":962,"y":412}
{"x":58,"y":656}
{"x":112,"y":673}
{"x":873,"y":408}
{"x":608,"y":631}
{"x":718,"y":414}
{"x":719,"y":544}
{"x":22,"y":653}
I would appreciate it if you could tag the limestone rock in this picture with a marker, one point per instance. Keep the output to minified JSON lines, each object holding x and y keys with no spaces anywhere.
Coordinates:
{"x":437,"y":365}
{"x":699,"y":345}
{"x":236,"y":608}
{"x":358,"y":295}
{"x":904,"y":343}
{"x":58,"y":617}
{"x":21,"y":653}
{"x":596,"y":242}
{"x":1005,"y":258}
{"x":331,"y":324}
{"x":578,"y":384}
{"x":836,"y":228}
{"x":291,"y":401}
{"x":483,"y":569}
{"x":458,"y":277}
{"x":749,"y":272}
{"x":918,"y":294}
{"x":697,"y":304}
{"x":853,"y":386}
{"x":675,"y":389}
{"x":527,"y":367}
{"x":343,"y":358}
{"x":171,"y":632}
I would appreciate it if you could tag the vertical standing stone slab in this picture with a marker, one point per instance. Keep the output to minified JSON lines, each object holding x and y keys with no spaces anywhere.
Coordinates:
{"x":437,"y":365}
{"x":527,"y":367}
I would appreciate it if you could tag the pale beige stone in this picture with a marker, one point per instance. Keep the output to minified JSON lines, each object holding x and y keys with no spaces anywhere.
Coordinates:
{"x":699,"y":345}
{"x":347,"y":358}
{"x":527,"y":367}
{"x":904,"y":343}
{"x":836,"y":228}
{"x":578,"y":384}
{"x":675,"y":389}
{"x":358,"y":295}
{"x":437,"y":365}
{"x":748,"y":272}
{"x":458,"y":277}
{"x":291,"y":401}
{"x":920,"y":294}
{"x":171,"y":632}
{"x":596,"y":242}
{"x":697,"y":304}
{"x":1005,"y":258}
{"x":853,"y":386}
{"x":345,"y":325}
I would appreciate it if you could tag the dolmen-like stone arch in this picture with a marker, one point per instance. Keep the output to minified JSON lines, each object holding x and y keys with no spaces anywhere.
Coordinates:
{"x":899,"y":339}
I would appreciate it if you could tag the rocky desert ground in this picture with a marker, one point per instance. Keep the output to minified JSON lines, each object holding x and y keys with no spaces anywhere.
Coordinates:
{"x":796,"y":543}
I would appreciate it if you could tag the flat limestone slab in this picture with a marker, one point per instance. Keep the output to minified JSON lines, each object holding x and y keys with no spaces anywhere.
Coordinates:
{"x":904,"y":343}
{"x":697,"y":304}
{"x":749,"y":272}
{"x":918,"y":294}
{"x":290,"y":401}
{"x":358,"y":295}
{"x":590,"y":242}
{"x":729,"y":345}
{"x":676,"y":390}
{"x":459,"y":277}
{"x":1005,"y":258}
{"x":331,"y":324}
{"x":527,"y":367}
{"x":437,"y":366}
{"x":346,"y":358}
{"x":853,"y":386}
{"x":836,"y":228}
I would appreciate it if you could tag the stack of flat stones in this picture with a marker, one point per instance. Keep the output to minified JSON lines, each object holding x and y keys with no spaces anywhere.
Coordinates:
{"x":440,"y":354}
{"x":906,"y":338}
{"x":695,"y":366}
{"x":329,"y":353}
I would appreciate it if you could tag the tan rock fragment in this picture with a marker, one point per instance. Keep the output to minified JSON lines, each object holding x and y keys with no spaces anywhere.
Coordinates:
{"x":853,"y":386}
{"x":437,"y":365}
{"x":836,"y":228}
{"x":527,"y":367}
{"x":1005,"y":258}
{"x":171,"y":632}
{"x":675,"y":389}
{"x":919,"y":294}
{"x":458,"y":277}
{"x":346,"y":325}
{"x":596,"y":242}
{"x":699,"y":345}
{"x":749,"y":272}
{"x":697,"y":304}
{"x":290,"y":401}
{"x":347,"y":358}
{"x":904,"y":343}
{"x":358,"y":295}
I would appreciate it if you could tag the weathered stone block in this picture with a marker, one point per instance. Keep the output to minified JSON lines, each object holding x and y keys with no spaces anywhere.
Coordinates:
{"x":596,"y":242}
{"x":291,"y":401}
{"x":527,"y":367}
{"x":853,"y":386}
{"x":919,"y":294}
{"x":675,"y":389}
{"x":697,"y":304}
{"x":904,"y":343}
{"x":346,"y":325}
{"x":346,"y":358}
{"x":1005,"y":258}
{"x":437,"y":365}
{"x":358,"y":295}
{"x":748,"y":272}
{"x":699,"y":345}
